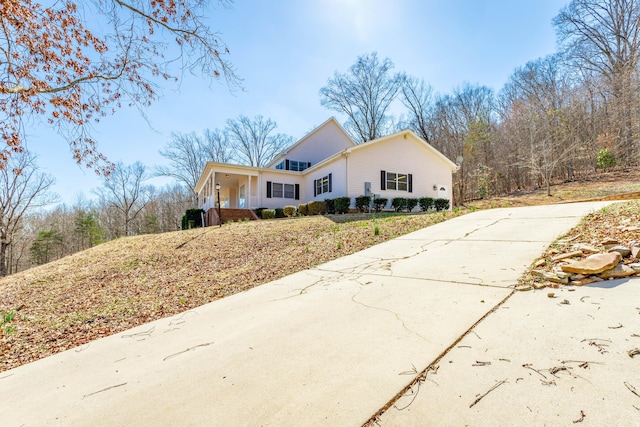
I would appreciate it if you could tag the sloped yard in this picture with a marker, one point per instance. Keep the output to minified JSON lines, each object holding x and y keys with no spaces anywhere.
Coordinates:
{"x":130,"y":281}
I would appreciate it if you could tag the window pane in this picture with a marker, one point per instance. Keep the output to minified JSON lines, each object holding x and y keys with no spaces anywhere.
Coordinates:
{"x":402,"y":182}
{"x":325,"y":184}
{"x":391,"y":181}
{"x":277,"y":190}
{"x":318,"y":186}
{"x":289,"y":191}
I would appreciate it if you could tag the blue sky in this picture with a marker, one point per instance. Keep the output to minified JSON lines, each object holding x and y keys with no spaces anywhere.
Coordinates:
{"x":286,"y":50}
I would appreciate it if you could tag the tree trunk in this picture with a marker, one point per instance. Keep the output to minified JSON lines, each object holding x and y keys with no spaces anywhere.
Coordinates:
{"x":4,"y":245}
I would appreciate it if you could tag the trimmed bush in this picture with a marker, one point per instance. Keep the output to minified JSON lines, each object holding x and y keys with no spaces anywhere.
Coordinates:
{"x":316,"y":208}
{"x":289,"y":211}
{"x":279,"y":212}
{"x":441,"y":204}
{"x":258,"y":212}
{"x":194,"y":215}
{"x":329,"y":206}
{"x":303,"y":208}
{"x":342,"y":204}
{"x":363,"y":203}
{"x":398,"y":203}
{"x":411,"y":203}
{"x":379,"y":204}
{"x":425,"y":203}
{"x":268,"y":213}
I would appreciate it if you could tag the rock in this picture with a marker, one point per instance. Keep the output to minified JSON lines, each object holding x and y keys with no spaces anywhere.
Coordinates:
{"x":539,"y":285}
{"x":619,"y":270}
{"x":540,"y":262}
{"x":635,"y":266}
{"x":609,"y":242}
{"x":523,"y":287}
{"x":593,"y":264}
{"x":577,"y":277}
{"x":567,"y":255}
{"x":623,"y":250}
{"x":552,"y":277}
{"x":631,"y":228}
{"x":635,"y":250}
{"x":586,"y":281}
{"x":586,"y":248}
{"x":562,"y":274}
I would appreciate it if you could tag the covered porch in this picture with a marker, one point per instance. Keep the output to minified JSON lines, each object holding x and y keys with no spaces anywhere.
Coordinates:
{"x":238,"y":189}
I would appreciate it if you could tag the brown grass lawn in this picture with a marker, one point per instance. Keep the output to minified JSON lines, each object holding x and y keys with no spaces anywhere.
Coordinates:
{"x":124,"y":283}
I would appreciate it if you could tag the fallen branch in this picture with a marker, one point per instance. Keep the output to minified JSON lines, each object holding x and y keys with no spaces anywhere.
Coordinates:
{"x":631,"y":388}
{"x":104,"y":389}
{"x":495,"y":386}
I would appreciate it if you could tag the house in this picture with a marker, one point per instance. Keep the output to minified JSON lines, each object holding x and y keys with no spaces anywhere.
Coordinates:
{"x":326,"y":164}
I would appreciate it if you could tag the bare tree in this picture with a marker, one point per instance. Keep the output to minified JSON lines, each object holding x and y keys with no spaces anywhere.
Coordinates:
{"x":253,"y":141}
{"x":603,"y":36}
{"x":364,"y":94}
{"x":23,"y":187}
{"x":188,"y":153}
{"x":418,"y":99}
{"x":124,"y":192}
{"x":71,"y":64}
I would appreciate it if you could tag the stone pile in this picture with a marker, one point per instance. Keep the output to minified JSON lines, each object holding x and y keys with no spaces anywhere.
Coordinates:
{"x":584,"y":264}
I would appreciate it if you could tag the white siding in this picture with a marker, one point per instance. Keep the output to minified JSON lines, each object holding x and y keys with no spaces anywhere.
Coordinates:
{"x":337,"y":169}
{"x":398,"y":155}
{"x":283,"y":178}
{"x":321,"y":144}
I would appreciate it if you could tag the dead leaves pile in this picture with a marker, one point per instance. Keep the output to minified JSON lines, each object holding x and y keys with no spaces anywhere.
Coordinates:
{"x":125,"y":283}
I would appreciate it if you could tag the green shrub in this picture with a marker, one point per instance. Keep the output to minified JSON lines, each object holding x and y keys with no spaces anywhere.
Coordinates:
{"x":258,"y":212}
{"x":379,"y":204}
{"x":289,"y":211}
{"x":194,"y":215}
{"x":605,"y":159}
{"x":303,"y":208}
{"x":342,"y":204}
{"x":363,"y":203}
{"x":330,"y":206}
{"x":441,"y":204}
{"x":425,"y":203}
{"x":411,"y":203}
{"x":268,"y":213}
{"x":279,"y":212}
{"x":316,"y":208}
{"x":398,"y":203}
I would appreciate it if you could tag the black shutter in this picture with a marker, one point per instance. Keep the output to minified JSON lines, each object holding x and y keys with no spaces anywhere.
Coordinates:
{"x":268,"y":189}
{"x":308,"y":164}
{"x":315,"y":188}
{"x":297,"y":192}
{"x":329,"y":183}
{"x":286,"y":165}
{"x":410,"y":183}
{"x":383,"y":180}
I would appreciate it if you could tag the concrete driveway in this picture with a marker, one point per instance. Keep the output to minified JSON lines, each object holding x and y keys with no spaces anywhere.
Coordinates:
{"x":327,"y":346}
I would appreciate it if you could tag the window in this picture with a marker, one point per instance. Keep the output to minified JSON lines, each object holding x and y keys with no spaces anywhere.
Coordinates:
{"x":277,"y":190}
{"x":322,"y":185}
{"x":293,"y":165}
{"x":396,"y":181}
{"x":289,"y":191}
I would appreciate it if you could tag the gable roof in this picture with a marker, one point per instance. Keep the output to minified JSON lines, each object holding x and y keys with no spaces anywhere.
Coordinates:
{"x":302,"y":140}
{"x":365,"y":145}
